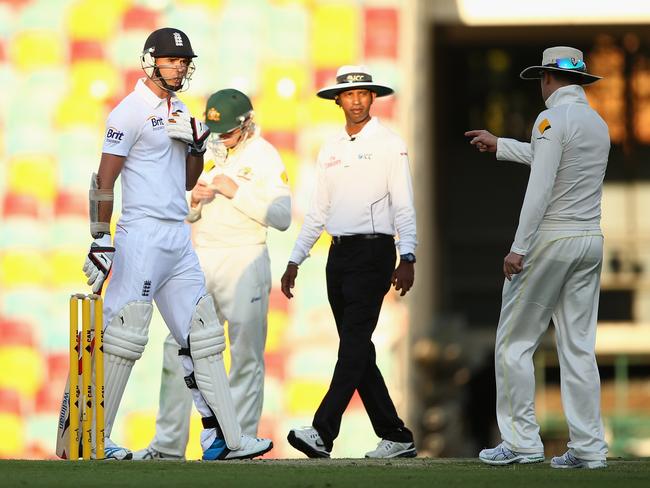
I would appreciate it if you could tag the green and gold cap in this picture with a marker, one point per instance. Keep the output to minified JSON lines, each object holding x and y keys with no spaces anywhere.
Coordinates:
{"x":226,"y":110}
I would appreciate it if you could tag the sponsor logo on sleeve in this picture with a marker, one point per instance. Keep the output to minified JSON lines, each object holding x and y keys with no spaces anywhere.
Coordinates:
{"x":114,"y":136}
{"x":543,"y":126}
{"x":284,"y":177}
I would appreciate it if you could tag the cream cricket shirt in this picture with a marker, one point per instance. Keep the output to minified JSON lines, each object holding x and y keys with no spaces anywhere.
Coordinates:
{"x":153,"y":176}
{"x":363,"y":187}
{"x":263,"y":198}
{"x":568,"y":156}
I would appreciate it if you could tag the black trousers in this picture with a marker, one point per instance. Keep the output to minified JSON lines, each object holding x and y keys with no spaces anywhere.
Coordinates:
{"x":358,"y":278}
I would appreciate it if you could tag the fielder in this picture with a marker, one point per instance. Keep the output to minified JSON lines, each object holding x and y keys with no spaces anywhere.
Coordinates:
{"x":242,"y":191}
{"x":157,"y":148}
{"x":553,"y":268}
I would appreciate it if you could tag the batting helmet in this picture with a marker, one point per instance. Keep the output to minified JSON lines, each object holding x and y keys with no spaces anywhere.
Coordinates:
{"x":166,"y":43}
{"x":226,"y":110}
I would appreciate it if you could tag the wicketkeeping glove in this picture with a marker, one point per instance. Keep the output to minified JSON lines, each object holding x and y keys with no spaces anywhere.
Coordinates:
{"x":98,"y":262}
{"x":184,"y":128}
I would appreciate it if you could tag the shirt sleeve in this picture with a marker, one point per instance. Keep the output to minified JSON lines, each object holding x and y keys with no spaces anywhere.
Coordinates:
{"x":122,"y":132}
{"x":513,"y":150}
{"x":547,"y":147}
{"x":267,"y":198}
{"x":315,"y":218}
{"x":400,"y":188}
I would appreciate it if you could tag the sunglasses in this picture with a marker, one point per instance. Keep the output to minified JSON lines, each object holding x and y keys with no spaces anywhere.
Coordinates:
{"x":569,"y":63}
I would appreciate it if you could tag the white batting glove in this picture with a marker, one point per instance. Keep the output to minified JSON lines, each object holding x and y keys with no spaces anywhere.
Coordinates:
{"x":98,"y":262}
{"x":192,"y":131}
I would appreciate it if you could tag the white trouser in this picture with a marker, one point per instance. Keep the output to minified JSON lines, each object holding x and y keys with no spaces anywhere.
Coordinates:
{"x":560,"y":280}
{"x":155,"y":260}
{"x":239,"y":280}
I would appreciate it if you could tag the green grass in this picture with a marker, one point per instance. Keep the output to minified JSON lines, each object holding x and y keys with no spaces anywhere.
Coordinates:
{"x":316,"y":473}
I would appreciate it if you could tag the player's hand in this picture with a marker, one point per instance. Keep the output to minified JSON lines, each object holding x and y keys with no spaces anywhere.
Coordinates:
{"x":225,"y":185}
{"x":202,"y":192}
{"x":513,"y":263}
{"x":181,"y":126}
{"x":288,"y":280}
{"x":483,"y":140}
{"x":403,"y":277}
{"x":98,"y":262}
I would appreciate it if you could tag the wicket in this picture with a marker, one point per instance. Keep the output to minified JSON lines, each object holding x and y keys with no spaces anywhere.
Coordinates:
{"x":91,"y":345}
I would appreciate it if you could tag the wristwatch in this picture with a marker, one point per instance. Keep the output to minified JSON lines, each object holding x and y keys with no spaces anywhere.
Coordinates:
{"x":407,"y":258}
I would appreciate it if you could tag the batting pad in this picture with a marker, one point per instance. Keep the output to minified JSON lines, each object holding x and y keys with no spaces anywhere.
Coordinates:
{"x":207,"y":343}
{"x":124,"y":341}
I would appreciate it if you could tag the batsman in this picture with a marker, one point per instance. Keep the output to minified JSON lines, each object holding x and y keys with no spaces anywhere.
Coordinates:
{"x":242,"y":192}
{"x":157,"y":148}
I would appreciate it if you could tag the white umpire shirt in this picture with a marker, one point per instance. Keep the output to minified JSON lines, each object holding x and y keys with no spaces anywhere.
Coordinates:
{"x":153,"y":176}
{"x":568,"y":156}
{"x":263,"y":198}
{"x":363,"y":186}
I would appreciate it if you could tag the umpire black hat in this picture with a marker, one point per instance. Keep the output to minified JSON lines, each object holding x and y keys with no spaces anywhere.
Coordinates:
{"x":169,"y":43}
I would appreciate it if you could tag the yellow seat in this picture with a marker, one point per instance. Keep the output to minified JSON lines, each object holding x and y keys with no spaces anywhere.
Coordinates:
{"x":36,"y":49}
{"x":23,"y":268}
{"x":33,"y":174}
{"x":275,"y":113}
{"x":67,"y":268}
{"x":93,"y":20}
{"x":12,"y":433}
{"x":304,"y":396}
{"x":80,"y":109}
{"x":335,"y":35}
{"x":95,"y":78}
{"x":26,"y":360}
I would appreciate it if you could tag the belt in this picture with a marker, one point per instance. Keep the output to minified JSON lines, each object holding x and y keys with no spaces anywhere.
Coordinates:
{"x":336,"y":240}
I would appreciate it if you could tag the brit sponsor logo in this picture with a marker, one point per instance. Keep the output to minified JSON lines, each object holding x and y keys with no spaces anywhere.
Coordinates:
{"x":114,"y":136}
{"x":157,"y":123}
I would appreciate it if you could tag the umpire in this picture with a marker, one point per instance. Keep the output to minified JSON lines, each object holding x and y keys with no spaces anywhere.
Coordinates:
{"x":363,"y":197}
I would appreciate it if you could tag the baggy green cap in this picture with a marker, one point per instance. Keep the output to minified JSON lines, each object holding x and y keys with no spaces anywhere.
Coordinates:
{"x":226,"y":110}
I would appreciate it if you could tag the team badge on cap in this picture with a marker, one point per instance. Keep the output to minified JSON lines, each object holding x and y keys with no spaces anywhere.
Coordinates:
{"x":214,"y":115}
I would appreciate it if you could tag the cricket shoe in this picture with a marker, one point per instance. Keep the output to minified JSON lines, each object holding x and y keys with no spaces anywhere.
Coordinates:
{"x":501,"y":455}
{"x":308,"y":441}
{"x":390,"y":449}
{"x":569,"y":461}
{"x":114,"y":452}
{"x":151,"y":454}
{"x":250,"y":447}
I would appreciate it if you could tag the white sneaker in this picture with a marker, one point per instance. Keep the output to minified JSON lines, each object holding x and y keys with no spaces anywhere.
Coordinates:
{"x":114,"y":452}
{"x":249,"y":448}
{"x":149,"y":453}
{"x":392,"y":449}
{"x":569,"y":461}
{"x":308,"y":441}
{"x":501,"y":455}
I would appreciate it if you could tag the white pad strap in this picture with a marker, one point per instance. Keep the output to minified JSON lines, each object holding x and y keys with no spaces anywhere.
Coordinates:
{"x":124,"y":341}
{"x":207,"y":343}
{"x":96,"y":195}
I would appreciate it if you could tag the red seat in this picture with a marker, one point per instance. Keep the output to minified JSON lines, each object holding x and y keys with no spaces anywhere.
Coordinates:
{"x":86,"y":49}
{"x":17,"y":205}
{"x":140,"y":18}
{"x":281,"y":139}
{"x":71,"y":204}
{"x":15,"y":333}
{"x":9,"y":401}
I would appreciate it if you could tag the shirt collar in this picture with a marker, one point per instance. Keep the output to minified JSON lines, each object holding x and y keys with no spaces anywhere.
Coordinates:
{"x":367,"y":130}
{"x":565,"y":95}
{"x":150,"y":97}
